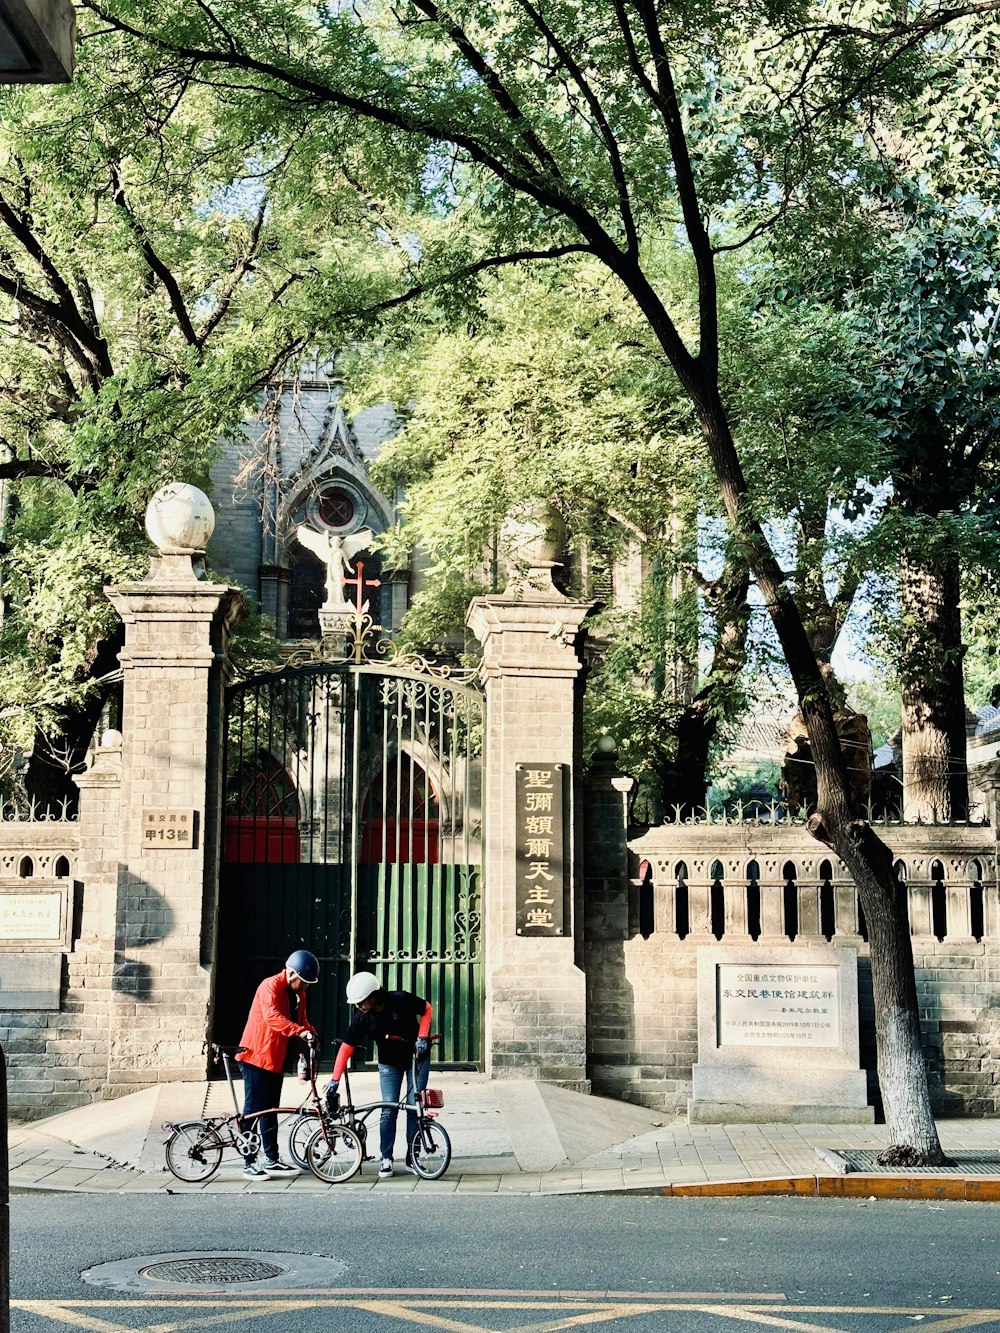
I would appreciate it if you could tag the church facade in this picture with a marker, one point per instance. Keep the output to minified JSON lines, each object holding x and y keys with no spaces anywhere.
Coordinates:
{"x":303,"y":464}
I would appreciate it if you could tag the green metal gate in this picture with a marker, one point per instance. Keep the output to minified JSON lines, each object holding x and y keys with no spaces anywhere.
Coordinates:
{"x":353,"y":827}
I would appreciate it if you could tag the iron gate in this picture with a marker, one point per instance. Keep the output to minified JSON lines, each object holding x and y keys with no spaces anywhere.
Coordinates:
{"x":353,"y":827}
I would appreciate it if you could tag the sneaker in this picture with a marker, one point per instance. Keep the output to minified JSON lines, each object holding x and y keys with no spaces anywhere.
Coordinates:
{"x":385,"y":1170}
{"x":252,"y":1171}
{"x":279,"y":1168}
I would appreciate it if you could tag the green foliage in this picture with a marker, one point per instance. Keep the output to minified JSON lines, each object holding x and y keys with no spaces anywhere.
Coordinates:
{"x":551,"y":391}
{"x":981,"y":617}
{"x":877,"y":697}
{"x":161,"y":258}
{"x":625,"y":700}
{"x":748,"y":793}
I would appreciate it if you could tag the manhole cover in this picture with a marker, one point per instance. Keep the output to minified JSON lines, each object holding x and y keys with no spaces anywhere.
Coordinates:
{"x":982,"y":1163}
{"x":208,"y":1271}
{"x":212,"y":1270}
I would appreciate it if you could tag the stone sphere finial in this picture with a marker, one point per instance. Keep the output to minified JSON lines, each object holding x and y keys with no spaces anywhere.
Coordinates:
{"x":180,"y":519}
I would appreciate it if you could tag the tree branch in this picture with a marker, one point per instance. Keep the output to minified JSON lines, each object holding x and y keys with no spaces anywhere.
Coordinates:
{"x":52,"y":315}
{"x":15,"y":469}
{"x":597,"y":110}
{"x":87,"y":345}
{"x":522,"y":177}
{"x":239,"y":272}
{"x":504,"y":100}
{"x":154,"y":261}
{"x":466,"y":271}
{"x":687,"y":190}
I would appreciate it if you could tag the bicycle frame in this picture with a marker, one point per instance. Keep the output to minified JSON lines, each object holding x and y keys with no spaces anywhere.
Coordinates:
{"x":311,"y":1100}
{"x":210,"y":1136}
{"x":356,"y":1117}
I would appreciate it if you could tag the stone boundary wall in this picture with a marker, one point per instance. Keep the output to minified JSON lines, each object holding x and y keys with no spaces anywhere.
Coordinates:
{"x":696,"y":884}
{"x":56,"y":1058}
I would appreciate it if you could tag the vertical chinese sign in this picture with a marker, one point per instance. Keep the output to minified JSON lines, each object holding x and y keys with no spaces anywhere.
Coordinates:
{"x":541,"y":861}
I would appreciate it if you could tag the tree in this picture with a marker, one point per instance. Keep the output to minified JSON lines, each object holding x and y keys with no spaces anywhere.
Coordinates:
{"x":935,"y":392}
{"x":157,"y":266}
{"x":548,"y":386}
{"x":916,"y":270}
{"x":578,"y":129}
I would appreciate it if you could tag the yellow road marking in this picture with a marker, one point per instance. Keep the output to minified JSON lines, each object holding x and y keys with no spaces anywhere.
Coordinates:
{"x":77,"y":1319}
{"x":230,"y":1316}
{"x":403,"y":1310}
{"x":577,"y":1311}
{"x":607,"y":1314}
{"x":964,"y":1319}
{"x":758,"y":1316}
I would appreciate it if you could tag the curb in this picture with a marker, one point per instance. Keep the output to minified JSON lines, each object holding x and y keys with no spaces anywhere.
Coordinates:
{"x":968,"y":1189}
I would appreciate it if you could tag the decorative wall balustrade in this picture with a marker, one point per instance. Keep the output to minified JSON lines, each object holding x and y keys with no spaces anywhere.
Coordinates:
{"x":33,"y":848}
{"x":771,"y":881}
{"x":764,"y":883}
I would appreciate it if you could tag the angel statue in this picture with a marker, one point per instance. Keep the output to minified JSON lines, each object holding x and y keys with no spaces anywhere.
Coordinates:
{"x":336,"y":552}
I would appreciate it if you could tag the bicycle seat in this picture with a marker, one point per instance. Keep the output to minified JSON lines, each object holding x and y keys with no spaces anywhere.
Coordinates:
{"x":228,"y":1050}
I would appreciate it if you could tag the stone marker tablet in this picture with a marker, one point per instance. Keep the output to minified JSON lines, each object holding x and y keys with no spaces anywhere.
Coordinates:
{"x":31,"y":916}
{"x":30,"y":980}
{"x":778,"y":1036}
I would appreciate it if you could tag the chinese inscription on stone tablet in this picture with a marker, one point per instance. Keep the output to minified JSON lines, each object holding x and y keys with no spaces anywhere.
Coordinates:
{"x":775,"y":1005}
{"x":540,"y":860}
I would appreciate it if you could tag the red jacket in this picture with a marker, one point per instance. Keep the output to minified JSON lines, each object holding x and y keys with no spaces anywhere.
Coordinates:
{"x":270,"y":1024}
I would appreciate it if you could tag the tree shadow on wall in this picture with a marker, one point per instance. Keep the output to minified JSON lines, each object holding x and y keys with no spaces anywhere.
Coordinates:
{"x":146,"y":919}
{"x":611,"y":1036}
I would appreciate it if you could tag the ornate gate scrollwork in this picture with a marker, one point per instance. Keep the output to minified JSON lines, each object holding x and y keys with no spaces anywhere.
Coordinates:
{"x":353,"y":827}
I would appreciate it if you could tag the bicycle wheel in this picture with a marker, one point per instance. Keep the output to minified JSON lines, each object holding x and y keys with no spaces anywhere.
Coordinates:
{"x":193,"y":1152}
{"x":430,"y":1150}
{"x":304,"y":1126}
{"x":334,"y":1153}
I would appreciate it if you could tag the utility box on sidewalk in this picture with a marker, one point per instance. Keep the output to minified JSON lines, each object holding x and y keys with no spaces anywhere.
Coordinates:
{"x":778,"y":1037}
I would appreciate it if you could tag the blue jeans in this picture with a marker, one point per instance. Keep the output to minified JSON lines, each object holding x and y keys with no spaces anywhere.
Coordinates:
{"x":390,"y":1082}
{"x":261,"y":1089}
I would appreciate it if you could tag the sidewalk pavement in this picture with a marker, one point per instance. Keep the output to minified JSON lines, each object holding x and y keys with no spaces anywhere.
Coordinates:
{"x":510,"y":1137}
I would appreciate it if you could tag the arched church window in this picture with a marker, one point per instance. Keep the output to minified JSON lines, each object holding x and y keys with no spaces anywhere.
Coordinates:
{"x":260,"y":786}
{"x":400,"y":816}
{"x":262,"y":812}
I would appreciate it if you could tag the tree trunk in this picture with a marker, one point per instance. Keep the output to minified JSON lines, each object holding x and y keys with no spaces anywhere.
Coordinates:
{"x":902,"y":1073}
{"x":48,"y":778}
{"x":935,"y":770}
{"x":684,"y":779}
{"x":901,"y":1069}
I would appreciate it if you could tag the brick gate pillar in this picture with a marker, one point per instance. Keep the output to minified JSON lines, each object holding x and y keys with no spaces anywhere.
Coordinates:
{"x":536,"y":1004}
{"x":177,"y":627}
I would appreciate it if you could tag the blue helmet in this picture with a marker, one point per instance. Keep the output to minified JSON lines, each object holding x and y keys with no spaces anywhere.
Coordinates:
{"x":304,"y":964}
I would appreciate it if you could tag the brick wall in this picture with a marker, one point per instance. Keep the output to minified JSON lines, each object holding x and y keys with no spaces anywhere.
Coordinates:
{"x":700,"y":884}
{"x":56,"y":1058}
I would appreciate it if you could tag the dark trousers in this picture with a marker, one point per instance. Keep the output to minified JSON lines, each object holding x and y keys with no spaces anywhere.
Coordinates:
{"x":261,"y":1089}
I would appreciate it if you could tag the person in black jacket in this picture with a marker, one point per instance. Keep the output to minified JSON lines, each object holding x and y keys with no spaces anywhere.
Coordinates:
{"x":398,"y":1023}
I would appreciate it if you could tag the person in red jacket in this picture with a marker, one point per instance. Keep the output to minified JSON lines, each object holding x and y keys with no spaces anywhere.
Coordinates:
{"x":277,"y":1014}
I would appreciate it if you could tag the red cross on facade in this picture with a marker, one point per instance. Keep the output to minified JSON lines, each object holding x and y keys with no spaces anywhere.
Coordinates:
{"x":359,"y":583}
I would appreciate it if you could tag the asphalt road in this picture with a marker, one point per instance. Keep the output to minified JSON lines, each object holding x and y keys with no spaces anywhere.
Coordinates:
{"x":528,"y":1264}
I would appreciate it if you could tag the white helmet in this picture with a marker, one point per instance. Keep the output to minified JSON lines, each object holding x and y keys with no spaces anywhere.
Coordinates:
{"x":361,"y":986}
